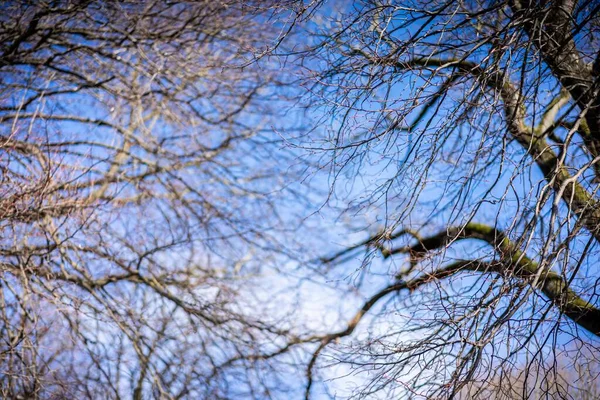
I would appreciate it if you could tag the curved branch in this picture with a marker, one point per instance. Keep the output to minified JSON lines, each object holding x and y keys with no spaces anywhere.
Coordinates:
{"x":513,"y":263}
{"x":493,"y":236}
{"x":550,"y":28}
{"x":576,"y":197}
{"x":551,"y":284}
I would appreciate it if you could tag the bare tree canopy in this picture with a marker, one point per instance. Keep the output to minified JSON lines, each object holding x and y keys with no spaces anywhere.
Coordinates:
{"x":134,"y":176}
{"x":470,"y":133}
{"x":293,"y":199}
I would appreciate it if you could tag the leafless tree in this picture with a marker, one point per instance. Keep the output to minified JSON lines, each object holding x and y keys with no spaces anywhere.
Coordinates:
{"x":143,"y":193}
{"x":135,"y":157}
{"x":465,"y":138}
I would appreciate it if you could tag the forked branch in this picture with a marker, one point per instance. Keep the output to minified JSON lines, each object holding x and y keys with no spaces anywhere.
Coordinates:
{"x":511,"y":263}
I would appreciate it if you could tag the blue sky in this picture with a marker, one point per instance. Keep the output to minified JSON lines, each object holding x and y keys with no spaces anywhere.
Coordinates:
{"x":314,"y":178}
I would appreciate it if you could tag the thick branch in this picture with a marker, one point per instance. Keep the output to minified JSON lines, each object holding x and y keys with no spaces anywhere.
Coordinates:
{"x":551,"y":284}
{"x":577,"y":198}
{"x":551,"y":30}
{"x":513,"y":263}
